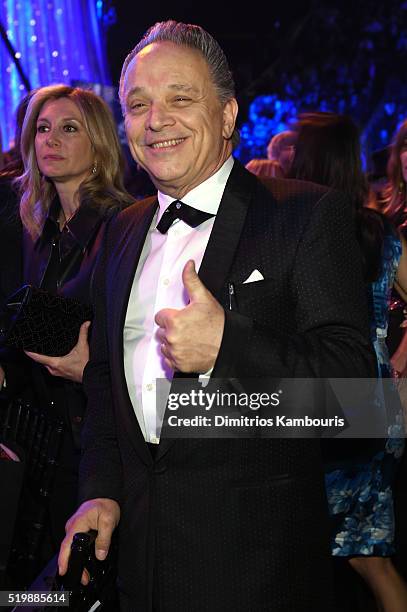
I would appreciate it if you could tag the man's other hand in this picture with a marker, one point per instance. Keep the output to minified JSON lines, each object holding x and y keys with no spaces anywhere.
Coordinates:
{"x":101,"y":514}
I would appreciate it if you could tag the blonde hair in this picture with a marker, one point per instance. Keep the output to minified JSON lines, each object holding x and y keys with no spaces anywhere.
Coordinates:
{"x":104,"y":187}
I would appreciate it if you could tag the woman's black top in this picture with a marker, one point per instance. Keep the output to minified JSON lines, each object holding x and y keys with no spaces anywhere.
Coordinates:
{"x":64,"y":262}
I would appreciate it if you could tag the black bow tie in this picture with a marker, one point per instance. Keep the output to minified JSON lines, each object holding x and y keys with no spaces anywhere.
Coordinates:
{"x":179,"y":210}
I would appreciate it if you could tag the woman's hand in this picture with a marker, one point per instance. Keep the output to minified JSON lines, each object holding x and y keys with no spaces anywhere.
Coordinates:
{"x":69,"y":366}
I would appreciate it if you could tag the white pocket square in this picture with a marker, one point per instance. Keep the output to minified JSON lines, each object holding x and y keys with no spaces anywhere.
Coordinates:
{"x":254,"y":276}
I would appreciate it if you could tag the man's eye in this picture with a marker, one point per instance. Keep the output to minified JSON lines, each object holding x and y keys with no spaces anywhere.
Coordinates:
{"x":136,"y":105}
{"x":182,"y":99}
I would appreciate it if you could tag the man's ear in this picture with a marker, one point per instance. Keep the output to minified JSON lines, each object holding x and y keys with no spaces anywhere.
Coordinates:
{"x":229,"y":118}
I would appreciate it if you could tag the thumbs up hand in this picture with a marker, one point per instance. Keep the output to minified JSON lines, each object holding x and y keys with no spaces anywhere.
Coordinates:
{"x":191,"y":337}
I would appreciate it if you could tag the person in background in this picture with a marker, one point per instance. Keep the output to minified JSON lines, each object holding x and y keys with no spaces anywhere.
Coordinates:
{"x":281,"y":148}
{"x":70,"y":187}
{"x":10,"y":222}
{"x":392,"y":202}
{"x":267,"y":168}
{"x":360,"y":493}
{"x":211,"y":524}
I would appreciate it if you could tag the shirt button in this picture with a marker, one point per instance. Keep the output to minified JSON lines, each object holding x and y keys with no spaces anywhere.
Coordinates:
{"x":154,"y":439}
{"x":166,"y":282}
{"x":149,"y":387}
{"x":178,"y":205}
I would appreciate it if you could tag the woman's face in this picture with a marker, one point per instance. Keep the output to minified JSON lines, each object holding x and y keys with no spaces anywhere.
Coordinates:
{"x":403,"y":160}
{"x":62,"y":145}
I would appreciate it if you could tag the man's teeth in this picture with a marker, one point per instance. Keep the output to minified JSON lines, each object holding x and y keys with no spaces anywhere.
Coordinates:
{"x":166,"y":143}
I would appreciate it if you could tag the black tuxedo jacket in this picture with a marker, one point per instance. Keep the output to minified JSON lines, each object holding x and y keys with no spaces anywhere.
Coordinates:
{"x":231,"y":525}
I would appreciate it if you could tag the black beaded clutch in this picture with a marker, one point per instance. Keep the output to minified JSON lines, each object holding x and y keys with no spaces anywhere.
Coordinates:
{"x":42,"y":322}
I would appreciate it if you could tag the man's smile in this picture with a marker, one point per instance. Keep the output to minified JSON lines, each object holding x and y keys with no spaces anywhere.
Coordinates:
{"x":166,"y":143}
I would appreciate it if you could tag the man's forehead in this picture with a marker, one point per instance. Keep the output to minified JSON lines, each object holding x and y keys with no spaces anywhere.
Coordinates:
{"x":165,"y":56}
{"x":164,"y":52}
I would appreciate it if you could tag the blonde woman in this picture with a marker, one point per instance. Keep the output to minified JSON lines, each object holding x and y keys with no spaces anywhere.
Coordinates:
{"x":71,"y":186}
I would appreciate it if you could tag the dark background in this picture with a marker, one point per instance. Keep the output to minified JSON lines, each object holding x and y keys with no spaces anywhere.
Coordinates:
{"x":253,"y":36}
{"x":342,"y":56}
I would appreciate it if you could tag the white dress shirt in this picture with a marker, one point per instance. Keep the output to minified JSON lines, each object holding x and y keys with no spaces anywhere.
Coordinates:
{"x":158,"y":284}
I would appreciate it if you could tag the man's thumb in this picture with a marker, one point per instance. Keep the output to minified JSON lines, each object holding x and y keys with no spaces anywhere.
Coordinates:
{"x":101,"y":552}
{"x":102,"y":545}
{"x":192,"y":283}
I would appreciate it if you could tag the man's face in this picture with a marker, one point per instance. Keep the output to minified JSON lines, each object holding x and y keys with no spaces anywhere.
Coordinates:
{"x":176,"y":127}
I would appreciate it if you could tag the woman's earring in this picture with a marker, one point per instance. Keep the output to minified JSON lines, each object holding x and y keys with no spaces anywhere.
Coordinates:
{"x":94,"y":168}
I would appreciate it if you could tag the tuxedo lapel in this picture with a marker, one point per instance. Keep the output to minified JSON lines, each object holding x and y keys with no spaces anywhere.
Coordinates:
{"x":223,"y":242}
{"x":126,"y":258}
{"x":122,"y":272}
{"x":227,"y":229}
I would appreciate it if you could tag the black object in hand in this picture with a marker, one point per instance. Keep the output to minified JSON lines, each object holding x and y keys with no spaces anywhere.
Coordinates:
{"x":100,"y":593}
{"x":36,"y":320}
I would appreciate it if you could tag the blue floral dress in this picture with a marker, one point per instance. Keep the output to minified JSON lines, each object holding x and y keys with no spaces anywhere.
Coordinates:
{"x":360,"y":495}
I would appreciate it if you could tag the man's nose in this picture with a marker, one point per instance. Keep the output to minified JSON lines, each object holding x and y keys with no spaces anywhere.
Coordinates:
{"x":158,"y":117}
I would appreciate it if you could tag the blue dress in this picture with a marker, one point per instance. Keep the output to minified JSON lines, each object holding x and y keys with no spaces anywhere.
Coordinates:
{"x":360,"y":495}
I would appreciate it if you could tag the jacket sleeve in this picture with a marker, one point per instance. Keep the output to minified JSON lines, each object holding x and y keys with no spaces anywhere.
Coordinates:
{"x":100,"y":468}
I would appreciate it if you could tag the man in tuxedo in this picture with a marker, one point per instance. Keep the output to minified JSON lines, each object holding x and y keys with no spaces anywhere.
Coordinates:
{"x":211,"y":524}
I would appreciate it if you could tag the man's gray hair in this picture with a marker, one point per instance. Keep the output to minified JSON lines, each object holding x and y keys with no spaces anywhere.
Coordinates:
{"x":194,"y":37}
